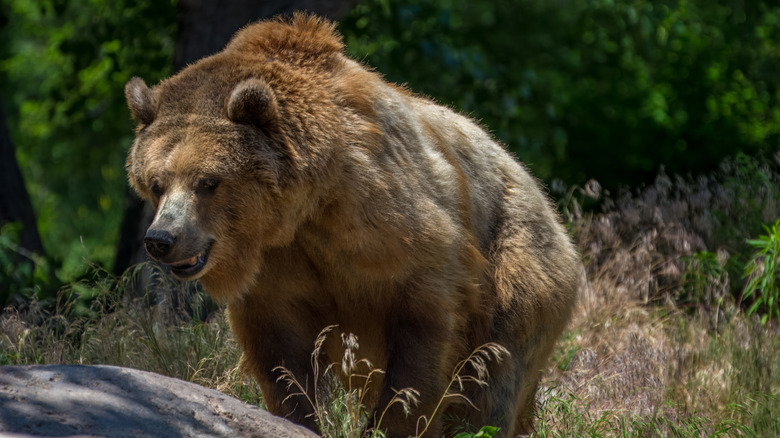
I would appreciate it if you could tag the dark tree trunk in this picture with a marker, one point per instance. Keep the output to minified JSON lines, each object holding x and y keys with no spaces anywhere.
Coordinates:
{"x":137,"y":217}
{"x":15,"y":203}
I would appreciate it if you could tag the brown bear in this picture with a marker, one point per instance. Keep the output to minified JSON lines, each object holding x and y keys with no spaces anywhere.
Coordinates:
{"x":305,"y":191}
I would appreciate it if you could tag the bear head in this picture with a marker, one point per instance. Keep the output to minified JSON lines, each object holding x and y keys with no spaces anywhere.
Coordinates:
{"x":238,"y":149}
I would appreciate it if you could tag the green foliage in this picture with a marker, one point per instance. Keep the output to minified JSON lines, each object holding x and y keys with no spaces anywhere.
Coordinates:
{"x":750,"y":352}
{"x":566,"y":415}
{"x":22,"y":273}
{"x":485,"y":432}
{"x":763,"y":276}
{"x":568,"y":349}
{"x":63,"y":66}
{"x":608,"y":89}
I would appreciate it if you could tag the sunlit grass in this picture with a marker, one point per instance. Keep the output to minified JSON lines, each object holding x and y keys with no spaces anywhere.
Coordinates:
{"x":113,"y":328}
{"x":719,"y":385}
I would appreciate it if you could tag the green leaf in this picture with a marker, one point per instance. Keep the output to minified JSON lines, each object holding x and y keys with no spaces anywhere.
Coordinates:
{"x":487,"y":431}
{"x":758,"y":243}
{"x":484,"y":432}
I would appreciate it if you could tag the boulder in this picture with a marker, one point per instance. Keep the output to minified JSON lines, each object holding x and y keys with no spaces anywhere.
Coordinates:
{"x":109,"y":401}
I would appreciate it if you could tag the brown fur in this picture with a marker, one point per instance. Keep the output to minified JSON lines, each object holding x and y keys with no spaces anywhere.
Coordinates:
{"x":312,"y":193}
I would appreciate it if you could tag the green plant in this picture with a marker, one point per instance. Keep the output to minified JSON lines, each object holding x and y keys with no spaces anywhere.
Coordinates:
{"x":567,"y":349}
{"x":21,"y":272}
{"x":478,"y":361}
{"x":750,"y":198}
{"x":485,"y":432}
{"x":342,"y":413}
{"x":567,"y":415}
{"x":762,"y":274}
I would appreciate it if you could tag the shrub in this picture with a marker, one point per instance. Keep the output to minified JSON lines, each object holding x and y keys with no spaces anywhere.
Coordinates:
{"x":763,"y":276}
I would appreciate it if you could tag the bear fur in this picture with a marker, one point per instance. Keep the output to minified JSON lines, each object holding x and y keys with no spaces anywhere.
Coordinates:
{"x":305,"y":191}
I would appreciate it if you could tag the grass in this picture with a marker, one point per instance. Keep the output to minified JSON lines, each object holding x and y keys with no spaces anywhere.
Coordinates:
{"x":643,"y":372}
{"x":660,"y":344}
{"x":117,"y":329}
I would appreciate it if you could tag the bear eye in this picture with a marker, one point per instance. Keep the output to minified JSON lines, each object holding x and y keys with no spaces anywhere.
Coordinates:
{"x":157,"y":189}
{"x":208,"y":184}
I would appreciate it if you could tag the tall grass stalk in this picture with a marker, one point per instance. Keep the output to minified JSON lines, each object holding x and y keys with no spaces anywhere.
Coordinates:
{"x":477,"y":360}
{"x":353,"y":397}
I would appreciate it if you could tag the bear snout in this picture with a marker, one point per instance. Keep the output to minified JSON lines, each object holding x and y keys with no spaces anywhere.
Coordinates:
{"x":159,"y":243}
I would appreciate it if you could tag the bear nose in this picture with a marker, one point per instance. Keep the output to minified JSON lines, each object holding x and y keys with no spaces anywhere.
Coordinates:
{"x":159,"y":243}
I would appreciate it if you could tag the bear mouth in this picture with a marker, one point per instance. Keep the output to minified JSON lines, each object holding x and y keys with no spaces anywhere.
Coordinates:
{"x":193,"y":265}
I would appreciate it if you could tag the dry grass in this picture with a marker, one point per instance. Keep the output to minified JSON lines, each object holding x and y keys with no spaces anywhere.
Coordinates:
{"x":657,"y":345}
{"x":345,"y":414}
{"x":120,"y":329}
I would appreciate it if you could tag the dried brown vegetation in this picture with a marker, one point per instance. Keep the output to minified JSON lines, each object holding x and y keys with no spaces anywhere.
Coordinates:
{"x":658,"y":344}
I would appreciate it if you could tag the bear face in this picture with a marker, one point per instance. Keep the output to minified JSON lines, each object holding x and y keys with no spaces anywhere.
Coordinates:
{"x":305,"y":191}
{"x":192,"y":169}
{"x":225,"y":163}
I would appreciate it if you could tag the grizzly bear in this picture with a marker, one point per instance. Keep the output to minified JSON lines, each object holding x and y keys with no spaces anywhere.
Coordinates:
{"x":304,"y":191}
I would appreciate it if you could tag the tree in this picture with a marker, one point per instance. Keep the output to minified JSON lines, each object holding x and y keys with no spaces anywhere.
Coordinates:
{"x":605,"y":89}
{"x":15,"y":203}
{"x":62,"y":69}
{"x":205,"y":26}
{"x":21,"y":251}
{"x":63,"y":66}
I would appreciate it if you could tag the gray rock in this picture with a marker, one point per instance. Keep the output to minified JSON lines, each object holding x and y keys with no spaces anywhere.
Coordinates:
{"x":108,"y":401}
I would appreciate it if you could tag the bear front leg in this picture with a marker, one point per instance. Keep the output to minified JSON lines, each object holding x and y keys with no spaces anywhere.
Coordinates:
{"x":419,"y":348}
{"x":267,"y":348}
{"x":282,"y":396}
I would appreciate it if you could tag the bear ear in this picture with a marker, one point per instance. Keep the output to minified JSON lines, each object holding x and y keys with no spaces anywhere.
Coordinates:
{"x":140,"y":100}
{"x":252,"y":102}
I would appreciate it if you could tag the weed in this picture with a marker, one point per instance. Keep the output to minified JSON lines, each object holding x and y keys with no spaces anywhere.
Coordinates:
{"x":705,"y":280}
{"x":762,"y":274}
{"x":477,"y":360}
{"x":484,"y":432}
{"x":340,"y":412}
